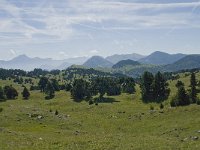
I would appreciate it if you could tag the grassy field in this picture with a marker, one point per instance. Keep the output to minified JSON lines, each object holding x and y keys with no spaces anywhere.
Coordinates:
{"x":123,"y":123}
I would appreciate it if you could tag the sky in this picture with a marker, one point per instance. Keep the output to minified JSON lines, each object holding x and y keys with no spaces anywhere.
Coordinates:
{"x":61,"y":29}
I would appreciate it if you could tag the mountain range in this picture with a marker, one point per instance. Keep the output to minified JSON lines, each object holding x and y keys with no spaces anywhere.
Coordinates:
{"x":132,"y":63}
{"x":26,"y":63}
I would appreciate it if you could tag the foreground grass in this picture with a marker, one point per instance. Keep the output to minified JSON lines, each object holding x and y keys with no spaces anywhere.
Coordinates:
{"x":125,"y":123}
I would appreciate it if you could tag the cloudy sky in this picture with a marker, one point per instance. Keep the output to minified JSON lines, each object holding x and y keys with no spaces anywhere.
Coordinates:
{"x":70,"y":28}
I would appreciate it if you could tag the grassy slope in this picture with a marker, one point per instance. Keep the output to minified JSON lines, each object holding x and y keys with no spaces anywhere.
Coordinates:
{"x":124,"y":124}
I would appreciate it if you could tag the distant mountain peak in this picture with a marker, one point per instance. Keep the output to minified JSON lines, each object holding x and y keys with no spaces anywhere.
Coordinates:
{"x":22,"y":57}
{"x":97,"y":61}
{"x":161,"y":58}
{"x":124,"y":63}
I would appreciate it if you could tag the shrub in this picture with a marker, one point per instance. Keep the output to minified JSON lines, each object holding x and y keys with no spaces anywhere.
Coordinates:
{"x":56,"y":112}
{"x":151,"y":107}
{"x":161,"y":106}
{"x":198,"y":102}
{"x":90,"y":102}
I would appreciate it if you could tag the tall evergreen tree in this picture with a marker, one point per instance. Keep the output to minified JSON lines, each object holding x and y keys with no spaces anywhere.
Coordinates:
{"x":49,"y":91}
{"x":2,"y":94}
{"x":160,"y":85}
{"x":182,"y":97}
{"x":147,"y":86}
{"x":43,"y":83}
{"x":193,"y":92}
{"x":25,"y":93}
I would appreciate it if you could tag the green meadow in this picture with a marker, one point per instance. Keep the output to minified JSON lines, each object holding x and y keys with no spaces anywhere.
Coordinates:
{"x":121,"y":122}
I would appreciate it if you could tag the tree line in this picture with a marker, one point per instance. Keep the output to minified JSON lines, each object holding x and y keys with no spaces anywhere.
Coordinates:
{"x":154,"y":88}
{"x":85,"y":90}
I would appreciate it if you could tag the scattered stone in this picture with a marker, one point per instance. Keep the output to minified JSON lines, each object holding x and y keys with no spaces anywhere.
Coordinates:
{"x":39,"y":117}
{"x":198,"y":131}
{"x":194,"y":138}
{"x":40,"y":138}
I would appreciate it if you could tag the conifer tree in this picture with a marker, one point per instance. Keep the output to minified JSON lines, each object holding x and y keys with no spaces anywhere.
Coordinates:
{"x":193,"y":92}
{"x":147,"y":86}
{"x":25,"y":93}
{"x":49,"y":91}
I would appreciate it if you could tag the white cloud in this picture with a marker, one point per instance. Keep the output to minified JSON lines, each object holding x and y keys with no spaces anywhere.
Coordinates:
{"x":63,"y":20}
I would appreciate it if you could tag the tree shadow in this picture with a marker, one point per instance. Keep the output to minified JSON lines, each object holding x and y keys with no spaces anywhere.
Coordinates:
{"x":105,"y":100}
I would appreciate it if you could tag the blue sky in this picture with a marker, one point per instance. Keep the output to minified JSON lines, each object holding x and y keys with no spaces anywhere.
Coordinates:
{"x":61,"y":29}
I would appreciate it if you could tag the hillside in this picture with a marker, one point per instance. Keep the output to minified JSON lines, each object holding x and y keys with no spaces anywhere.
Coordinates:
{"x":124,"y":63}
{"x":117,"y":57}
{"x":188,"y":62}
{"x":121,"y":122}
{"x":161,"y":58}
{"x":97,"y":61}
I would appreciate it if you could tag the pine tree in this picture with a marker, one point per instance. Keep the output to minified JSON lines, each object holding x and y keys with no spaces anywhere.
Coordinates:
{"x":182,"y":97}
{"x":49,"y":91}
{"x":193,"y":83}
{"x":2,"y":94}
{"x":147,"y":86}
{"x":160,"y":86}
{"x":43,"y":83}
{"x":25,"y":93}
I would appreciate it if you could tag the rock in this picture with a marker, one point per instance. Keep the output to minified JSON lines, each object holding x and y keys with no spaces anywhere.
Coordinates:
{"x":40,"y":138}
{"x":39,"y":117}
{"x":198,"y":131}
{"x":185,"y":139}
{"x":194,"y":138}
{"x":76,"y":132}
